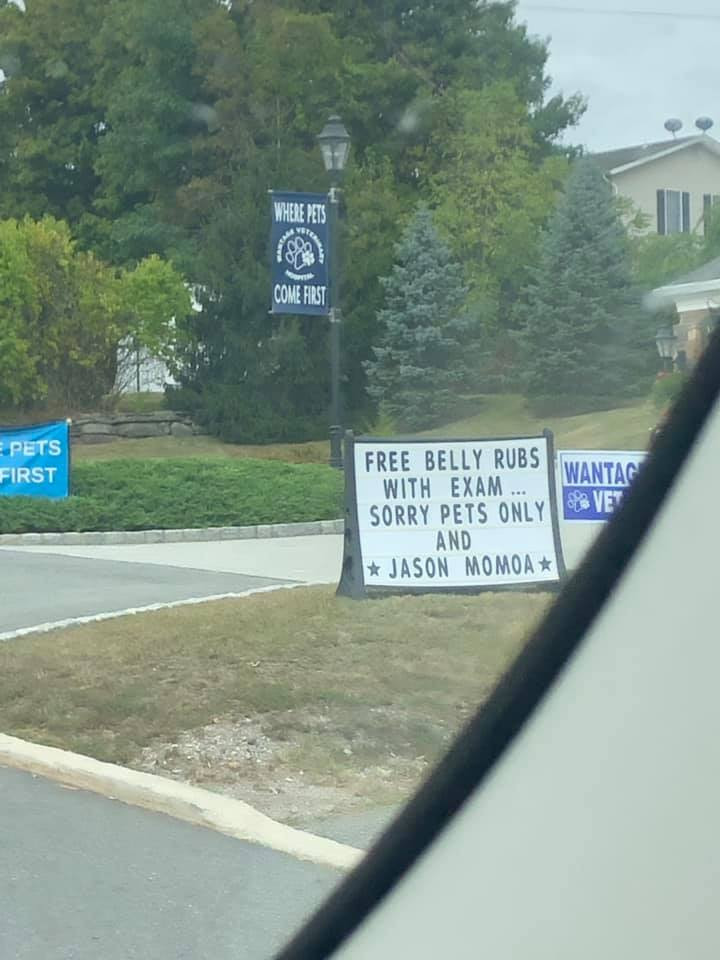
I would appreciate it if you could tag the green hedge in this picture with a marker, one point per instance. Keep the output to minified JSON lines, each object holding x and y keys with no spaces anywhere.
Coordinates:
{"x":169,"y":494}
{"x":667,"y":388}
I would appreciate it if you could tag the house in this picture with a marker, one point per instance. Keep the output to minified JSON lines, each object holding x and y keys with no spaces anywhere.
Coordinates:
{"x":138,"y":371}
{"x":696,"y":296}
{"x":672,"y":182}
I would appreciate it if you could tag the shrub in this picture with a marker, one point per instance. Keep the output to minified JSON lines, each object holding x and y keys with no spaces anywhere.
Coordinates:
{"x":170,"y":494}
{"x":235,"y":415}
{"x":667,"y":387}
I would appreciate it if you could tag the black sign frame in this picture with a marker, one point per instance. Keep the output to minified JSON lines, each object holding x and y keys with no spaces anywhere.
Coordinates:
{"x":352,"y":576}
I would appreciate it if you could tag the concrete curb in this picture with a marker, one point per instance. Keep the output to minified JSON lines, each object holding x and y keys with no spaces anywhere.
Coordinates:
{"x":149,"y":608}
{"x":192,"y":804}
{"x":311,"y":528}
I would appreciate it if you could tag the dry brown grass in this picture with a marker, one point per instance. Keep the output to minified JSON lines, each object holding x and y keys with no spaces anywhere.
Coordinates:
{"x":354,"y":698}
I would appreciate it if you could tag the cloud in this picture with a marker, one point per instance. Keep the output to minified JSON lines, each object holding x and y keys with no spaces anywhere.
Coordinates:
{"x":636,"y":70}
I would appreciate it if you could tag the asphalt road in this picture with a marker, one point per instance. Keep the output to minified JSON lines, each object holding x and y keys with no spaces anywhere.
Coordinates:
{"x":40,"y":588}
{"x":83,"y":878}
{"x":359,"y":829}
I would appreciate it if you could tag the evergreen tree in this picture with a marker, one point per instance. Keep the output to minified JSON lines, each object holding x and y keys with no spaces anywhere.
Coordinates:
{"x":50,"y":124}
{"x":585,"y":339}
{"x":419,"y":363}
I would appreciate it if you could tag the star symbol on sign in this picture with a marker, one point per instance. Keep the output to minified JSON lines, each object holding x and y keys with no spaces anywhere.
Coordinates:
{"x":545,"y":564}
{"x":374,"y":569}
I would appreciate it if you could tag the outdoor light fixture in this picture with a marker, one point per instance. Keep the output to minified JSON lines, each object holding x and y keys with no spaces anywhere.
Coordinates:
{"x":334,"y":143}
{"x":665,"y":341}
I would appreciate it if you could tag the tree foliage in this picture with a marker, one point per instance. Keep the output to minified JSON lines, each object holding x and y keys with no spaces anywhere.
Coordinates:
{"x":584,"y":335}
{"x":492,"y":193}
{"x":419,"y":363}
{"x":157,"y":128}
{"x":63,"y":313}
{"x":50,"y":122}
{"x":660,"y":259}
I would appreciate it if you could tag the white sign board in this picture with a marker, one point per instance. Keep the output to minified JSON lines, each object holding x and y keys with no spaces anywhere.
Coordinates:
{"x":449,"y":514}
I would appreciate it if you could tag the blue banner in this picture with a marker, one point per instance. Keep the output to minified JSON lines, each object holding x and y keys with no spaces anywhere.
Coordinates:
{"x":593,"y":482}
{"x":35,"y":460}
{"x":299,"y":241}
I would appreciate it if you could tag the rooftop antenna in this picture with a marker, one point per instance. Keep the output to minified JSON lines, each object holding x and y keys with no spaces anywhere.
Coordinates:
{"x":704,"y":123}
{"x":673,"y":125}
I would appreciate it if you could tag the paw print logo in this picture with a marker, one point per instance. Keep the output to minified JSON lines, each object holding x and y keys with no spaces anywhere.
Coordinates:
{"x":299,"y":253}
{"x":578,"y":501}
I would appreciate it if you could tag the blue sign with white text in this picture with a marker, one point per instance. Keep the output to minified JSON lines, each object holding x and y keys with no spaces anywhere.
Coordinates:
{"x":35,"y":460}
{"x":593,"y":482}
{"x":299,"y":241}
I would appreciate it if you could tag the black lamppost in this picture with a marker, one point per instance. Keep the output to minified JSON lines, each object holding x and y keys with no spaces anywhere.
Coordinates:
{"x":334,"y":143}
{"x":665,"y":340}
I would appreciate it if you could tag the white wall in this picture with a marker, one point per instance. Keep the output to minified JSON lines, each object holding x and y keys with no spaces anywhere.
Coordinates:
{"x":152,"y":373}
{"x":695,"y":170}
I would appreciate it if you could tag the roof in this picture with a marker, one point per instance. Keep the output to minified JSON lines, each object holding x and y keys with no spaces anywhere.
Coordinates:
{"x":692,"y":289}
{"x":612,"y":161}
{"x":708,"y":271}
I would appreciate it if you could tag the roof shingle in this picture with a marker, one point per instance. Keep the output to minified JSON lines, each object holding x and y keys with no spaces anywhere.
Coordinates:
{"x":611,"y":159}
{"x":708,"y":271}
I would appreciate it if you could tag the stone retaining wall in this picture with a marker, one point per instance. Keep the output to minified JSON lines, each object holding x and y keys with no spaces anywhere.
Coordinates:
{"x":101,"y":428}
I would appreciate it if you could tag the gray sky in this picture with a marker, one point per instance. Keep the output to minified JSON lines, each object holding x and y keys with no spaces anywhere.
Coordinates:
{"x":636,"y":70}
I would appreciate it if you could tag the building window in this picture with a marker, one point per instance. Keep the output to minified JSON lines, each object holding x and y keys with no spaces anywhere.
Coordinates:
{"x":673,"y":211}
{"x":709,"y":201}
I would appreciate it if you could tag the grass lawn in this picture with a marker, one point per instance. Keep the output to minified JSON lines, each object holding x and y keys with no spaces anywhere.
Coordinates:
{"x":172,"y":482}
{"x":294,"y":700}
{"x":201,"y":447}
{"x":626,"y":428}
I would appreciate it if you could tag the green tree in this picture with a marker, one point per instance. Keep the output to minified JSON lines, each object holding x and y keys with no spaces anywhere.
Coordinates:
{"x":157,"y":308}
{"x":492,"y":195}
{"x":63,"y":313}
{"x":586,"y":340}
{"x":157,"y":128}
{"x":657,"y":260}
{"x":50,"y":122}
{"x":19,"y":309}
{"x":154,"y":113}
{"x":420,"y":361}
{"x":61,"y":324}
{"x":711,"y":240}
{"x":392,"y":71}
{"x":660,"y":259}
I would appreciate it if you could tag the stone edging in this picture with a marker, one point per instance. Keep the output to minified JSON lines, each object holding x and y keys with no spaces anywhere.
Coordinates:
{"x":311,"y":528}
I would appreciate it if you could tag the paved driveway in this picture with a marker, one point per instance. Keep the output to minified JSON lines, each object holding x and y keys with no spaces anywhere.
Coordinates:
{"x":85,"y":878}
{"x":41,"y":588}
{"x":44,"y":584}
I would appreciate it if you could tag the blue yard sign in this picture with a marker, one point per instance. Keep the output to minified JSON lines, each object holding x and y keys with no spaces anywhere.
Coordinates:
{"x":35,"y":460}
{"x":593,"y":482}
{"x":299,"y":241}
